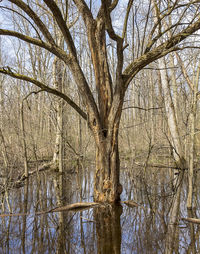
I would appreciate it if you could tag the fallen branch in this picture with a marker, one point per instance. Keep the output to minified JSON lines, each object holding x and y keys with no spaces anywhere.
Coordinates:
{"x":12,"y":214}
{"x":20,"y":181}
{"x":72,"y":207}
{"x":192,"y":220}
{"x":158,"y":166}
{"x":130,"y":203}
{"x":145,"y":109}
{"x":89,"y":220}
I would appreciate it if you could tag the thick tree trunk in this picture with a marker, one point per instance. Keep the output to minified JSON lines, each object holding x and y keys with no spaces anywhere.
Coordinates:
{"x":107,"y":186}
{"x":105,"y":123}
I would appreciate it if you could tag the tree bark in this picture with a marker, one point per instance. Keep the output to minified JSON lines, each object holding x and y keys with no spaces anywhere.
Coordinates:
{"x":178,"y":152}
{"x":24,"y":140}
{"x":58,"y":83}
{"x":107,"y":186}
{"x":192,"y":141}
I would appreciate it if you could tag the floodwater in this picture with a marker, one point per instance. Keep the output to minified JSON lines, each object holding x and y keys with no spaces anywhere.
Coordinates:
{"x":106,"y":229}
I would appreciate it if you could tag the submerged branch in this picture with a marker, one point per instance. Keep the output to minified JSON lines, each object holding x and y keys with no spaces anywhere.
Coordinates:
{"x":20,"y":180}
{"x":160,"y":166}
{"x":70,"y":207}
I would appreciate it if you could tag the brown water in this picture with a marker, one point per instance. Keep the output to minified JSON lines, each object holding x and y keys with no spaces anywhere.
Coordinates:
{"x":105,"y":230}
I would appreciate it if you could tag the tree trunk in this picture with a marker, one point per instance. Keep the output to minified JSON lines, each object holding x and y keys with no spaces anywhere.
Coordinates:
{"x":24,"y":140}
{"x":178,"y":152}
{"x":107,"y":186}
{"x":58,"y":83}
{"x":192,"y":142}
{"x":191,"y":156}
{"x":105,"y":123}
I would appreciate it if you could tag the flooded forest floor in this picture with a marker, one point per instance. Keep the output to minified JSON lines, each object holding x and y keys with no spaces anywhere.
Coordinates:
{"x":142,"y":225}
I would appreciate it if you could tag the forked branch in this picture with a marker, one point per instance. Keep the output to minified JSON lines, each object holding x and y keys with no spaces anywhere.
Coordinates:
{"x":62,"y":25}
{"x":158,"y":52}
{"x":113,"y":5}
{"x":85,"y":11}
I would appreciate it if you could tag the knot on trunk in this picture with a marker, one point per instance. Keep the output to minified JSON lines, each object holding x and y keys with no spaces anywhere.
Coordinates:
{"x":107,"y":185}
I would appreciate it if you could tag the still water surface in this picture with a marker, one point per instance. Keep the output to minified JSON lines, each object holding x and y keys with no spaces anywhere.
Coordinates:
{"x":106,"y":230}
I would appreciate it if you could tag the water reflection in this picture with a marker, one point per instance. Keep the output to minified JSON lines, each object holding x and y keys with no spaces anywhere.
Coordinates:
{"x":153,"y":227}
{"x":108,"y":229}
{"x":172,"y":236}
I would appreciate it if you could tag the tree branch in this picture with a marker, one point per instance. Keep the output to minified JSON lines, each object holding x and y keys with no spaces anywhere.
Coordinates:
{"x":9,"y":9}
{"x":9,"y":72}
{"x":119,"y":40}
{"x":145,"y":27}
{"x":85,"y":11}
{"x":156,"y":38}
{"x":26,"y":8}
{"x":130,"y":3}
{"x":145,"y":109}
{"x":184,"y":72}
{"x":74,"y":63}
{"x":159,"y":51}
{"x":62,"y":25}
{"x":113,"y":5}
{"x":105,"y":11}
{"x":159,"y":20}
{"x":51,"y":48}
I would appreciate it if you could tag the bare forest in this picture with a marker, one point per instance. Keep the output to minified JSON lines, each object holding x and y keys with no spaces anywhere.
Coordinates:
{"x":99,"y":126}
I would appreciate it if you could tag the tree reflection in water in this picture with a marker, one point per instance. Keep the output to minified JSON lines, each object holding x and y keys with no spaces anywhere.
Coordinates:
{"x":108,"y":229}
{"x":153,"y":227}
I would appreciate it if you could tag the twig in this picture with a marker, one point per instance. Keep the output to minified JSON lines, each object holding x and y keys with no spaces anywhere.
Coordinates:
{"x":88,"y":219}
{"x":145,"y":109}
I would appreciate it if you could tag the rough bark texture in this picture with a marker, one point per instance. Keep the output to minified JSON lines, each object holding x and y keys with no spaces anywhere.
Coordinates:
{"x":105,"y":124}
{"x":107,"y":186}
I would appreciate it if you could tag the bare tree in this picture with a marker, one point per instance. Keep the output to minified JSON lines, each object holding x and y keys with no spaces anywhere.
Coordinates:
{"x":104,"y":112}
